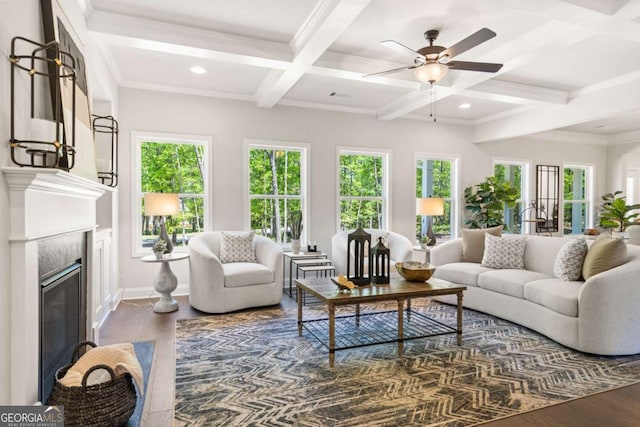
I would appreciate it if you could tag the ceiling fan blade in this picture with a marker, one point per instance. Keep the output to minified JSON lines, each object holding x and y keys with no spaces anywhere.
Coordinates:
{"x":464,"y":45}
{"x":487,"y":67}
{"x":401,"y":49}
{"x":395,"y":70}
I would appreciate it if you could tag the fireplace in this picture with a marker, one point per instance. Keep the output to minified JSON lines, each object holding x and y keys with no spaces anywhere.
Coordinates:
{"x":62,"y":304}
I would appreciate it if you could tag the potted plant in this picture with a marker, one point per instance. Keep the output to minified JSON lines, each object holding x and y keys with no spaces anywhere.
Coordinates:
{"x":159,"y":248}
{"x":295,"y":227}
{"x":615,"y":214}
{"x":486,"y":202}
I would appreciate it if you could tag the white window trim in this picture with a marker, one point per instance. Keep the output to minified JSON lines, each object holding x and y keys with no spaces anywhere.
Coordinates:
{"x":456,"y":211}
{"x":137,"y":137}
{"x":590,"y":169}
{"x":386,"y":174}
{"x":525,"y":190}
{"x":305,"y":150}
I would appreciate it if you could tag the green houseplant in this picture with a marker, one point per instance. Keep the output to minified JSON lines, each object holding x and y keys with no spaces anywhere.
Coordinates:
{"x":615,"y":214}
{"x":486,"y":201}
{"x":295,"y":227}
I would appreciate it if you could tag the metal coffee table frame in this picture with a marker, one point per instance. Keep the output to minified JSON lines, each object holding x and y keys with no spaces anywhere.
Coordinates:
{"x":363,"y":329}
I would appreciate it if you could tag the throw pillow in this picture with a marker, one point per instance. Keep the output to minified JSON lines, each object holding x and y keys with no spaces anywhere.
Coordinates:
{"x":500,"y":252}
{"x":568,"y":263}
{"x":605,"y":253}
{"x":473,"y":242}
{"x":237,"y":247}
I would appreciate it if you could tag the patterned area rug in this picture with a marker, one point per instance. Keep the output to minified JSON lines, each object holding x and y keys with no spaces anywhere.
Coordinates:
{"x":251,"y":368}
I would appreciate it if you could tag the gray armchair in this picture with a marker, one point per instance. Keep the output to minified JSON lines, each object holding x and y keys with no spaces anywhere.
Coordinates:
{"x":215,"y":287}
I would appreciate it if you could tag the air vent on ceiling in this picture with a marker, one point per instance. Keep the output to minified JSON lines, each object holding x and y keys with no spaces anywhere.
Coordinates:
{"x":341,"y":95}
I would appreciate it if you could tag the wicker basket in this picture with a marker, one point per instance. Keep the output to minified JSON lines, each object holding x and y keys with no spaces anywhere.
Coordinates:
{"x":109,"y":403}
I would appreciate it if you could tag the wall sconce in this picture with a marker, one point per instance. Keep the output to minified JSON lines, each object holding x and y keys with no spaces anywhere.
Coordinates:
{"x":105,"y":131}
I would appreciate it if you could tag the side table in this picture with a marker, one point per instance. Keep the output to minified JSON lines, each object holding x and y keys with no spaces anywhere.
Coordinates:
{"x":166,"y":282}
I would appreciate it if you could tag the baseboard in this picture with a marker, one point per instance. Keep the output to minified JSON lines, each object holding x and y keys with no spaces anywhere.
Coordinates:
{"x":149,"y":292}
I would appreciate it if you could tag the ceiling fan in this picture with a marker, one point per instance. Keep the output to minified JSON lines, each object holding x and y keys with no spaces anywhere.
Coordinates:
{"x":432,"y":62}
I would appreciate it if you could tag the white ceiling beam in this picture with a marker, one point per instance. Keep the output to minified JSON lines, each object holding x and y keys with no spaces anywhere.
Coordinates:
{"x":324,"y":25}
{"x":589,"y":107}
{"x":516,"y":93}
{"x":128,"y":31}
{"x":608,"y":7}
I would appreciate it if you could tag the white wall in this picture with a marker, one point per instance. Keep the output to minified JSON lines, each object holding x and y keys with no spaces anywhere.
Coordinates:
{"x":620,"y":158}
{"x":229,"y":122}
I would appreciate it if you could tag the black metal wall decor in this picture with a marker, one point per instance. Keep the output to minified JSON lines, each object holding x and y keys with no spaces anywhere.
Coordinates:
{"x":105,"y":131}
{"x":58,"y":67}
{"x":379,"y":263}
{"x":358,"y":246}
{"x":547,"y":198}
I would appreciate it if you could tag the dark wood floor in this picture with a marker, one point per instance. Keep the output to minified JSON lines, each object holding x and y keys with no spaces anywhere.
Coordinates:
{"x":136,"y":321}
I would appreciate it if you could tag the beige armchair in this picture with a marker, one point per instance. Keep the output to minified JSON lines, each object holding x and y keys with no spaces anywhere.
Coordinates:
{"x":399,"y":247}
{"x":215,"y":287}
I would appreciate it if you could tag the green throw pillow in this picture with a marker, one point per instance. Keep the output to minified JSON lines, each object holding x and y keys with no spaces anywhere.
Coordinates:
{"x":473,"y":242}
{"x":605,"y":253}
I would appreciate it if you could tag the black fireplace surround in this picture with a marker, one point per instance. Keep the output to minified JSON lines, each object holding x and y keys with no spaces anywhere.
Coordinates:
{"x":63,"y":305}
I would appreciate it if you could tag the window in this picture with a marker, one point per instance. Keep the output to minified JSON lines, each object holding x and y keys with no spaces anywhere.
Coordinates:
{"x":363,"y":189}
{"x":578,"y":209}
{"x":277,"y":187}
{"x":169,"y":164}
{"x":517,"y":174}
{"x":437,"y":176}
{"x":632,"y":189}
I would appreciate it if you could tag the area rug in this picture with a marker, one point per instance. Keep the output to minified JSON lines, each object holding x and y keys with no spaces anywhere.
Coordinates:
{"x":144,"y":352}
{"x":252,"y":368}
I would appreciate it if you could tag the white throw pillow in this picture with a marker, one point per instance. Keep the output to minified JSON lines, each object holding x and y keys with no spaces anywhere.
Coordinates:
{"x":568,"y":263}
{"x":501,"y":252}
{"x":237,"y":247}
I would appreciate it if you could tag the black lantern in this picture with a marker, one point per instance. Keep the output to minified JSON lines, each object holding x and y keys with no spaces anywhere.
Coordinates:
{"x":379,"y":261}
{"x":358,"y":245}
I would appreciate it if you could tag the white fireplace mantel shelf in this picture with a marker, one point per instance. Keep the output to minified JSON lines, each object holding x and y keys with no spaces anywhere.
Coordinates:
{"x":47,"y":202}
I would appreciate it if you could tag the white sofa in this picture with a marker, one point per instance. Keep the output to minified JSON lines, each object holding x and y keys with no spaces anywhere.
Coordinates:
{"x":600,"y":315}
{"x":215,"y":287}
{"x":399,"y":248}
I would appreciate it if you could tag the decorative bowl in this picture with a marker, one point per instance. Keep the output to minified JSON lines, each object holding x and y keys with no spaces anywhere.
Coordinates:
{"x":413,"y":271}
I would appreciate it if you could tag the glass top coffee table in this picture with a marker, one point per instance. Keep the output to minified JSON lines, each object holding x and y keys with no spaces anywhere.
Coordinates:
{"x":361,"y":329}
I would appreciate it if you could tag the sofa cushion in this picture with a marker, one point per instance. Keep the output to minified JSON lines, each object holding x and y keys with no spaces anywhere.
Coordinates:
{"x":508,"y":282}
{"x":473,"y":242}
{"x":463,"y":273}
{"x":558,"y":295}
{"x":237,"y":247}
{"x":605,"y":253}
{"x":238,"y":274}
{"x":568,"y":263}
{"x":502,"y":252}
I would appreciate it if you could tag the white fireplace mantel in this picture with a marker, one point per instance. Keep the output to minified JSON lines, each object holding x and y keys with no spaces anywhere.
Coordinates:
{"x":43,"y":203}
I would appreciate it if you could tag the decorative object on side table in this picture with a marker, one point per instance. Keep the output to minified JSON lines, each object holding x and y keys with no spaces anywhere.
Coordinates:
{"x":159,"y":247}
{"x":379,"y":263}
{"x":312,"y":247}
{"x":429,"y":207}
{"x":413,"y":271}
{"x":166,"y":282}
{"x":295,"y":226}
{"x":358,"y":246}
{"x":162,"y":204}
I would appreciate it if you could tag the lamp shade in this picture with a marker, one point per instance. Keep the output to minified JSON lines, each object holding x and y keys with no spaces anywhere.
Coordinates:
{"x":161,"y":204}
{"x":429,"y":206}
{"x":431,"y":73}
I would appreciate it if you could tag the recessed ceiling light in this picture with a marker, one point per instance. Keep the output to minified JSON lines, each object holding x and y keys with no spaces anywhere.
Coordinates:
{"x":196,"y":69}
{"x":465,"y":106}
{"x":599,"y":126}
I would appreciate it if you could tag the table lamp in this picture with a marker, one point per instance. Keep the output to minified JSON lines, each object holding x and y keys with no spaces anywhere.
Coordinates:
{"x":162,"y":204}
{"x":430,"y":206}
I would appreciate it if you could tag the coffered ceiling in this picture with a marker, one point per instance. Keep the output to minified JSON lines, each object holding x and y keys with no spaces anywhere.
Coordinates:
{"x":570,"y":65}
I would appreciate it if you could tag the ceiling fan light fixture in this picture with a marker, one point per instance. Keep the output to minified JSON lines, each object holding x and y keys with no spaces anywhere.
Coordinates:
{"x":431,"y":73}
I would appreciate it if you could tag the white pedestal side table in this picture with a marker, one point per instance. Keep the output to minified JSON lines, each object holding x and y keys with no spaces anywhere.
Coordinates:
{"x":166,"y":282}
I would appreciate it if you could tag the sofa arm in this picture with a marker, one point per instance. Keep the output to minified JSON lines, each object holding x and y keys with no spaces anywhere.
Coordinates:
{"x":447,"y":252}
{"x":609,"y":311}
{"x":205,"y":268}
{"x":269,"y":254}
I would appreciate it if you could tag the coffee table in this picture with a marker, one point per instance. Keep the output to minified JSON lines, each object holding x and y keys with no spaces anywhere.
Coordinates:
{"x":363,"y":329}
